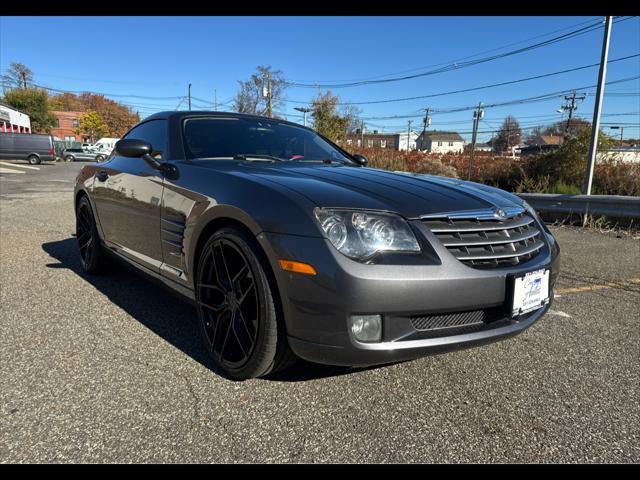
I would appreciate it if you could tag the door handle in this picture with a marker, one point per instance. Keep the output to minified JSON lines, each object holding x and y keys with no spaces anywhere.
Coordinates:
{"x":102,"y":175}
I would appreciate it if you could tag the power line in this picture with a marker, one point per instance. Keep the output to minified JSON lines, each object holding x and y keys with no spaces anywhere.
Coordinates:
{"x":457,"y":66}
{"x":538,"y":98}
{"x":104,"y":94}
{"x":501,"y":84}
{"x":457,"y":59}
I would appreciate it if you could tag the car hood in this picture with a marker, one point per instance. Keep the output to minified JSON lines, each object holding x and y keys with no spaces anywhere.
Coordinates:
{"x":411,"y":195}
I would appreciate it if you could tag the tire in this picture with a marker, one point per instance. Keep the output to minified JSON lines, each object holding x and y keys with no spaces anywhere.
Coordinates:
{"x":69,"y":158}
{"x":99,"y":158}
{"x":34,"y":160}
{"x":237,"y":313}
{"x":88,"y":241}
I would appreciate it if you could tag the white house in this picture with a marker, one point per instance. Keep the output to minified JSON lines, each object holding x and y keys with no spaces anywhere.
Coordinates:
{"x":12,"y":120}
{"x":402,"y":140}
{"x":440,"y":142}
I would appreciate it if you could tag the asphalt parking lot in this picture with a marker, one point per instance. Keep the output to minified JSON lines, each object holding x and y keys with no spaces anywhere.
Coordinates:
{"x":110,"y":369}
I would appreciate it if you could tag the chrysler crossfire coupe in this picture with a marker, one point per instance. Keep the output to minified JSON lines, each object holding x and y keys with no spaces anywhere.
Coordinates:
{"x":289,"y":246}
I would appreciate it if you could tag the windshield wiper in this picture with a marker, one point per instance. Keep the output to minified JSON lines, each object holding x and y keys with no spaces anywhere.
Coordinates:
{"x":252,"y":157}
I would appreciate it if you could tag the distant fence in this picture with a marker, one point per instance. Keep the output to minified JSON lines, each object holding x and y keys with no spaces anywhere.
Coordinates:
{"x":617,"y":206}
{"x":60,"y":145}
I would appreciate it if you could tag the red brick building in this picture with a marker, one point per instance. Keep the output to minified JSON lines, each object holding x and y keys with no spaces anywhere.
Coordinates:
{"x":65,"y":125}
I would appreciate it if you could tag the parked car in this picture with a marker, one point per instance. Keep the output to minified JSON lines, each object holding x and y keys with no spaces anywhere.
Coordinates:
{"x":291,"y":247}
{"x":32,"y":147}
{"x":104,"y":145}
{"x":87,"y":146}
{"x":79,"y":154}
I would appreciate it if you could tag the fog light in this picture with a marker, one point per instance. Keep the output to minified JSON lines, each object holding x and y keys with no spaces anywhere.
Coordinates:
{"x":366,"y":328}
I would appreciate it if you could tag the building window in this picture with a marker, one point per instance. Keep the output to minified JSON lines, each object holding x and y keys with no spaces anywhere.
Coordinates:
{"x":369,"y":143}
{"x":349,"y":141}
{"x":383,"y":143}
{"x":439,"y":144}
{"x":57,"y":124}
{"x":451,"y":144}
{"x":74,"y":122}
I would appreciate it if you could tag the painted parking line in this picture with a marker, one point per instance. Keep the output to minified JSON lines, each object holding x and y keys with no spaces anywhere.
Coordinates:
{"x":28,"y":167}
{"x":590,"y":288}
{"x":8,"y":170}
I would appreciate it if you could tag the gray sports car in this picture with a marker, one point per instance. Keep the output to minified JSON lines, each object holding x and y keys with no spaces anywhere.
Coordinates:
{"x":292,"y":247}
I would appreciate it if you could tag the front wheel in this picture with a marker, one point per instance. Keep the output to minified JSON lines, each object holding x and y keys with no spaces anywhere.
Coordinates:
{"x":237,"y":310}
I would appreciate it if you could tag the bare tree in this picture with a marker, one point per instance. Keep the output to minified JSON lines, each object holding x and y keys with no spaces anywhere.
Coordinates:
{"x":352,"y":114}
{"x":508,"y":136}
{"x":250,"y":98}
{"x":19,"y":75}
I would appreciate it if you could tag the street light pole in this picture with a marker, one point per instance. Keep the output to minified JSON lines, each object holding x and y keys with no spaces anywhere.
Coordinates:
{"x":304,"y":113}
{"x":595,"y":125}
{"x":621,"y":128}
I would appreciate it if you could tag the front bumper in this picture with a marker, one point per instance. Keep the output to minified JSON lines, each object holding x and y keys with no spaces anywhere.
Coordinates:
{"x":316,"y":308}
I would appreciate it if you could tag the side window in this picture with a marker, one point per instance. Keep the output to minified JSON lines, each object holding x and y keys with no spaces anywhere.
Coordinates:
{"x":154,"y":132}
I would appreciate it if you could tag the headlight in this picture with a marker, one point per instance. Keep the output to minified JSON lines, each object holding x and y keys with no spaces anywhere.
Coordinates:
{"x":360,"y":235}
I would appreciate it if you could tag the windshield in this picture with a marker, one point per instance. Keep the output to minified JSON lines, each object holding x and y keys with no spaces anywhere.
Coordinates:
{"x":211,"y":137}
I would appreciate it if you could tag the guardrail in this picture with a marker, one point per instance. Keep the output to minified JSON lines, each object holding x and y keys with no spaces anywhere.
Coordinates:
{"x":608,"y":205}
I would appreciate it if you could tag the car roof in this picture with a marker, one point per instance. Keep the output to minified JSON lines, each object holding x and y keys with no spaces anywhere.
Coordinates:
{"x":172,"y":115}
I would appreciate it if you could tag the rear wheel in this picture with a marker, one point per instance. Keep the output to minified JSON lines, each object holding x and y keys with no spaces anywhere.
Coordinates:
{"x":236,"y":308}
{"x":34,"y":159}
{"x":91,"y":255}
{"x":69,"y":158}
{"x":99,"y":158}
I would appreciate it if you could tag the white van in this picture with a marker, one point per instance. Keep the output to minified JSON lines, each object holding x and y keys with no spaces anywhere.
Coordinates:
{"x":104,"y":145}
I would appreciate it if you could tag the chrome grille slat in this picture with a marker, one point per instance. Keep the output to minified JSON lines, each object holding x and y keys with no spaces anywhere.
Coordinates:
{"x":449,"y":226}
{"x":537,"y":245}
{"x":488,"y":242}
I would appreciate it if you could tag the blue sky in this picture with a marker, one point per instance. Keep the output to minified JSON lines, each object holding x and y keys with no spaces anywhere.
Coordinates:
{"x":159,"y":56}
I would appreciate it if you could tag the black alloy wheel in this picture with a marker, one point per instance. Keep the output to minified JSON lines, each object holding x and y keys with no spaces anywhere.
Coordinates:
{"x":236,"y":308}
{"x":87,"y":237}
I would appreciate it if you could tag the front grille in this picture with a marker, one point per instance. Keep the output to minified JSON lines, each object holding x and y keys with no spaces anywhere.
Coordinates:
{"x":488,"y":243}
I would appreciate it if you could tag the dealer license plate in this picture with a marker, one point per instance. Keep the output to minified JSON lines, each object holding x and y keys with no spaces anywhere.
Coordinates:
{"x":530,"y":292}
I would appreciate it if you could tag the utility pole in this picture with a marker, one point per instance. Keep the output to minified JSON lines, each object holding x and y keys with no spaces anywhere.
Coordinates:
{"x":570,"y":106}
{"x":478,"y":114}
{"x":408,"y":134}
{"x":595,"y":125}
{"x":189,"y":97}
{"x":304,"y":113}
{"x":362,"y":133}
{"x":427,"y":122}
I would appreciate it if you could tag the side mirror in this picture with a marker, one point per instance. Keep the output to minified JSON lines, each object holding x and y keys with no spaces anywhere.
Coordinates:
{"x":361,"y":159}
{"x":130,"y":147}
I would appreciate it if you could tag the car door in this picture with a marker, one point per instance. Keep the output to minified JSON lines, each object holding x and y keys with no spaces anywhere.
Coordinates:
{"x":127,"y":193}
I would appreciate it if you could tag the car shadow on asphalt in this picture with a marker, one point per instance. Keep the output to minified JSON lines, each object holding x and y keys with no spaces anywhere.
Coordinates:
{"x":166,"y":315}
